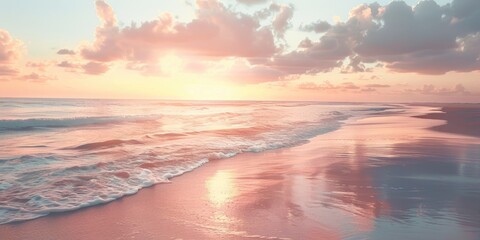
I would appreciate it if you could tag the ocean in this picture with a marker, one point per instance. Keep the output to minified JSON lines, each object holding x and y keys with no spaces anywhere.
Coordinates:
{"x":59,"y":155}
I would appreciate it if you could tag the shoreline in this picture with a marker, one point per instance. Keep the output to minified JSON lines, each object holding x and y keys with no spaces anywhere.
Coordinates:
{"x":299,"y":192}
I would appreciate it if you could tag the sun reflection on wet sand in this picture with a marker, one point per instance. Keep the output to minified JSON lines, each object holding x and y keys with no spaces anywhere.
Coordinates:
{"x":221,"y":188}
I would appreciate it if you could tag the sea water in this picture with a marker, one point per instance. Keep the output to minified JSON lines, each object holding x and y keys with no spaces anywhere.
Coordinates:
{"x":63,"y":154}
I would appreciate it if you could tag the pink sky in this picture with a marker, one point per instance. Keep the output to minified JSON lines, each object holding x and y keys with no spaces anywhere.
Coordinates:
{"x":258,"y":50}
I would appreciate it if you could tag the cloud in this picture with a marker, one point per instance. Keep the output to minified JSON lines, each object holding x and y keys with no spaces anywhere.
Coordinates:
{"x":196,"y":66}
{"x":65,"y":52}
{"x":315,"y":86}
{"x":215,"y":32}
{"x":316,"y":56}
{"x":305,"y":43}
{"x":7,"y":71}
{"x":356,"y":64}
{"x":244,"y":72}
{"x":430,"y":89}
{"x":35,"y":77}
{"x":376,"y":85}
{"x":327,"y":86}
{"x":329,"y":52}
{"x":350,"y":85}
{"x":72,"y":67}
{"x":147,"y":69}
{"x":465,"y":16}
{"x":406,"y":30}
{"x":67,"y":64}
{"x":106,"y":46}
{"x":281,"y":22}
{"x":464,"y":58}
{"x":425,"y":39}
{"x":252,"y":2}
{"x":95,"y":68}
{"x":10,"y":51}
{"x":368,"y":90}
{"x":105,"y":13}
{"x":10,"y":48}
{"x":318,"y":27}
{"x":40,"y":66}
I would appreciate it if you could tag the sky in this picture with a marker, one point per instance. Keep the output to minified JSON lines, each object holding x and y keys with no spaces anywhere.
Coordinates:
{"x":352,"y":51}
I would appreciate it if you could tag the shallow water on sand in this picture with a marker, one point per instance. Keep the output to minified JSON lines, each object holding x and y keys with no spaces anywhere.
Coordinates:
{"x":428,"y":188}
{"x":394,"y":182}
{"x":385,"y":177}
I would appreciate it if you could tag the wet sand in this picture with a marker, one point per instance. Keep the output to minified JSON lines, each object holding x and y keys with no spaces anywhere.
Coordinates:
{"x":460,"y":119}
{"x":384,"y":177}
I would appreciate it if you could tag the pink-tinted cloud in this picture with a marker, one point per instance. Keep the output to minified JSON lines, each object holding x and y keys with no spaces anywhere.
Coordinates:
{"x":10,"y":51}
{"x":10,"y":48}
{"x":368,"y":90}
{"x":7,"y":71}
{"x":377,"y":85}
{"x":71,"y":66}
{"x":243,"y":72}
{"x":315,"y":86}
{"x":147,"y":68}
{"x":350,"y":85}
{"x":196,"y":66}
{"x":40,"y":66}
{"x":105,"y":13}
{"x":107,"y":46}
{"x":67,"y":64}
{"x":215,"y":32}
{"x":35,"y":77}
{"x":95,"y":68}
{"x":426,"y":39}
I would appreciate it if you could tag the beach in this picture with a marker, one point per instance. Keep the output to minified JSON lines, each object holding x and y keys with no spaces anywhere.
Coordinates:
{"x":387,"y":176}
{"x":240,"y":119}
